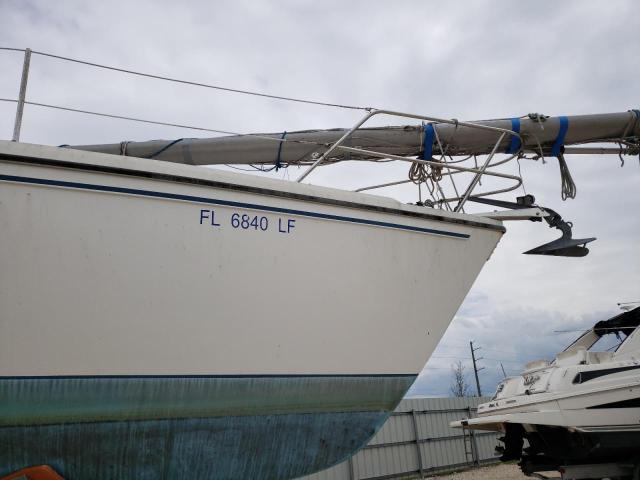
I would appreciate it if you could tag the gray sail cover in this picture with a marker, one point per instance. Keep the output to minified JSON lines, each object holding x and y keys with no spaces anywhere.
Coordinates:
{"x":538,"y":133}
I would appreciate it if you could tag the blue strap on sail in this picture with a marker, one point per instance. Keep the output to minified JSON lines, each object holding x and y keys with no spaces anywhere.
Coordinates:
{"x":514,"y":145}
{"x":278,"y":162}
{"x":556,"y":149}
{"x":427,"y":142}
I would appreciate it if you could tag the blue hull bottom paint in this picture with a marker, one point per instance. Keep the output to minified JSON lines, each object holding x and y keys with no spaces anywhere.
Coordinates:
{"x":204,"y":427}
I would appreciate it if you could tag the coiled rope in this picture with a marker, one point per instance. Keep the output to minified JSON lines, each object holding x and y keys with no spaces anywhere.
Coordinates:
{"x":568,"y":187}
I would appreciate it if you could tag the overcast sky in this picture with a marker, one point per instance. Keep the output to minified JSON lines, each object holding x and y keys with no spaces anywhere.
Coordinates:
{"x":471,"y":60}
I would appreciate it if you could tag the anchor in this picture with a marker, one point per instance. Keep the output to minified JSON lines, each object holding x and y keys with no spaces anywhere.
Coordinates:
{"x":565,"y":246}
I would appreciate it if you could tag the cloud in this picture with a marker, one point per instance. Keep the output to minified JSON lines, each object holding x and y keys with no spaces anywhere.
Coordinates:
{"x":512,"y":336}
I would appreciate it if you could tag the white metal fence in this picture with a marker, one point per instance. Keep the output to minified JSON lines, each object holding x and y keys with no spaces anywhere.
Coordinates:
{"x":417,"y":440}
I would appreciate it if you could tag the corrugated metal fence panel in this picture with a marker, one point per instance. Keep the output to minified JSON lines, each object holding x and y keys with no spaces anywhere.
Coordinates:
{"x":398,"y":429}
{"x":486,"y":444}
{"x":443,"y":453}
{"x":396,"y":451}
{"x":338,"y":472}
{"x":385,"y":461}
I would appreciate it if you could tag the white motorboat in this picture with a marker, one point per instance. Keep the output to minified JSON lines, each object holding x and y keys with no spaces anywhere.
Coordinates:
{"x":581,"y":408}
{"x":163,"y":320}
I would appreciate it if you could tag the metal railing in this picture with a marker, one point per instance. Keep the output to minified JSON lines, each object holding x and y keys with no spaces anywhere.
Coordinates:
{"x":451,"y":168}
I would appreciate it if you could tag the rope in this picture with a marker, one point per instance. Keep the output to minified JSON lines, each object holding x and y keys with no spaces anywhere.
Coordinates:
{"x":436,"y":172}
{"x":520,"y":175}
{"x":567,"y":185}
{"x":428,"y":174}
{"x":188,"y":82}
{"x":278,"y":163}
{"x":418,"y":173}
{"x":167,"y":146}
{"x":631,"y":125}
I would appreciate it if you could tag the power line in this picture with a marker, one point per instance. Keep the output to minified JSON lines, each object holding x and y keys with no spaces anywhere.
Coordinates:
{"x":502,"y":360}
{"x":485,"y":349}
{"x":189,"y":82}
{"x":451,"y":356}
{"x":13,"y":49}
{"x":456,"y":357}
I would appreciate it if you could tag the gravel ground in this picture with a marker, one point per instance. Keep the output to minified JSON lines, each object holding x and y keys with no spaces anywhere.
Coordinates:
{"x":493,"y":472}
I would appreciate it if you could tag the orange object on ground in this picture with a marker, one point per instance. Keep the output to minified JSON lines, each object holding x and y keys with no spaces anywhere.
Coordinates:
{"x":41,"y":472}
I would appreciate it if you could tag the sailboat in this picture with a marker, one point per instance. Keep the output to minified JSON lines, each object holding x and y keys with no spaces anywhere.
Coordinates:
{"x":163,"y":320}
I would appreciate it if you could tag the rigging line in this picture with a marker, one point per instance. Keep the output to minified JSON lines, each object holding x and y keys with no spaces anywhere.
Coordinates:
{"x":197,"y":84}
{"x":153,"y":122}
{"x":520,"y":175}
{"x":442,"y":159}
{"x":252,"y":169}
{"x":12,"y":49}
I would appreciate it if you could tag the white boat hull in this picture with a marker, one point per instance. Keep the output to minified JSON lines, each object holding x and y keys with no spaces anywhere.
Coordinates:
{"x":581,"y":409}
{"x":181,"y":293}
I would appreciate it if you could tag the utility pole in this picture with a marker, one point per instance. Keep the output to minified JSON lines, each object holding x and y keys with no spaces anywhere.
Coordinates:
{"x":475,"y":367}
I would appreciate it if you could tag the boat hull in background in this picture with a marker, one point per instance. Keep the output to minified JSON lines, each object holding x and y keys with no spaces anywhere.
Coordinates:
{"x":165,"y":321}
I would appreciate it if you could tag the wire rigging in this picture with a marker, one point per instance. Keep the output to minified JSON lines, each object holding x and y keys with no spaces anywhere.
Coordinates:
{"x":166,"y":124}
{"x":188,"y":82}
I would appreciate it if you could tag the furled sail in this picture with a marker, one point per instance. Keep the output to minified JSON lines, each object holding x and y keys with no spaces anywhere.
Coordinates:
{"x":539,"y":134}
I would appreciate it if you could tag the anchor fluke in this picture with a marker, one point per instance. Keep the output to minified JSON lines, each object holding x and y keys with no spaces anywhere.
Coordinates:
{"x":565,"y":246}
{"x":525,"y":208}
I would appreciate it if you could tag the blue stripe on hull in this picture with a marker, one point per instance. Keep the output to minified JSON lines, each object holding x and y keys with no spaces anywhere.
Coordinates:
{"x":264,"y":428}
{"x":228,"y":203}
